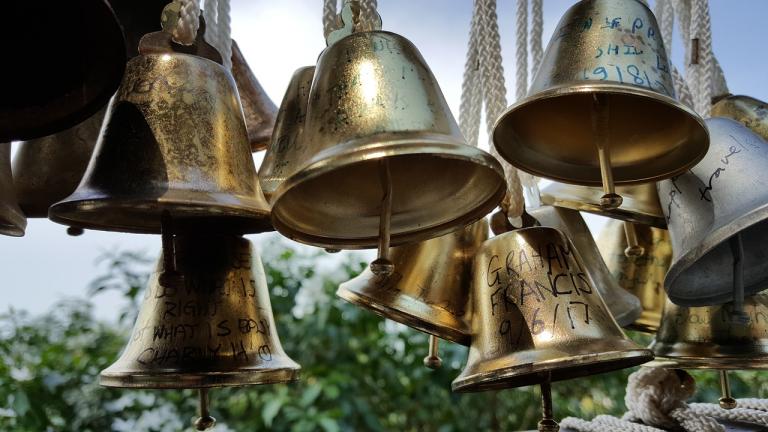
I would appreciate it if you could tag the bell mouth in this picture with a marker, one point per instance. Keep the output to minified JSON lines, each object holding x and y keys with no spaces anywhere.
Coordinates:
{"x":11,"y":230}
{"x":754,"y":361}
{"x":12,"y":222}
{"x":204,"y":379}
{"x":439,"y":184}
{"x":562,"y":148}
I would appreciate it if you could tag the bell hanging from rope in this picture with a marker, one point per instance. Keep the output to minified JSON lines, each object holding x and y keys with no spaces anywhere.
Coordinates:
{"x":384,"y":160}
{"x":641,"y":276}
{"x":716,"y":216}
{"x":258,"y":108}
{"x":750,"y":112}
{"x":137,"y":19}
{"x":81,"y":41}
{"x":173,"y":141}
{"x":602,"y":109}
{"x":12,"y":220}
{"x":286,"y":146}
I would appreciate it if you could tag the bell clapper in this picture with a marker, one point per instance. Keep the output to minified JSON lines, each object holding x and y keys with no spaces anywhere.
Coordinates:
{"x":600,"y":127}
{"x":433,"y":360}
{"x":382,"y":265}
{"x":74,"y":231}
{"x":205,"y":421}
{"x":633,"y":249}
{"x":547,"y":422}
{"x":737,"y":249}
{"x":726,"y":401}
{"x":332,"y":250}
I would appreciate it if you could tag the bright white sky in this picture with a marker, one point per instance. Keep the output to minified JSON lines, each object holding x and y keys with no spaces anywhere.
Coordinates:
{"x":278,"y":37}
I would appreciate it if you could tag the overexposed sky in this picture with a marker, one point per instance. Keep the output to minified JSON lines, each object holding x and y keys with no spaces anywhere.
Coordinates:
{"x":278,"y":37}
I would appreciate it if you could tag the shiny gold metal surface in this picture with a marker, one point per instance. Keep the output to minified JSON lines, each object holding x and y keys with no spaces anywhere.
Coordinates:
{"x":429,"y":289}
{"x":603,"y":92}
{"x":173,"y":140}
{"x":258,"y":108}
{"x":47,"y":170}
{"x":751,"y":112}
{"x":537,"y":315}
{"x":212,"y":327}
{"x":640,"y":202}
{"x":12,"y":220}
{"x":641,"y":276}
{"x":376,"y":112}
{"x":707,"y":338}
{"x":286,"y":147}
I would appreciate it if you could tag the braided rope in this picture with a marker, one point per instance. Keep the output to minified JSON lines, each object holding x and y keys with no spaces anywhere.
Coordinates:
{"x":605,"y":423}
{"x":736,"y":414}
{"x":330,"y":15}
{"x":471,"y":92}
{"x":537,"y":28}
{"x":368,"y":15}
{"x":189,"y":20}
{"x":755,"y":404}
{"x":224,"y":32}
{"x":521,"y":49}
{"x":701,"y":29}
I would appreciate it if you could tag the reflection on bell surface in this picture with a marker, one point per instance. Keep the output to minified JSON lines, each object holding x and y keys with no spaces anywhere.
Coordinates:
{"x":751,"y":112}
{"x":721,"y":200}
{"x":602,"y":108}
{"x":536,"y":315}
{"x":12,"y":220}
{"x":47,"y":170}
{"x":429,"y":289}
{"x":211,"y":327}
{"x":173,"y":140}
{"x":624,"y":307}
{"x":258,"y":108}
{"x":642,"y":276}
{"x":286,"y":146}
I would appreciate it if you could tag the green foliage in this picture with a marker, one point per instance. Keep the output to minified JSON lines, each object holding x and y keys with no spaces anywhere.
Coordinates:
{"x":359,"y":372}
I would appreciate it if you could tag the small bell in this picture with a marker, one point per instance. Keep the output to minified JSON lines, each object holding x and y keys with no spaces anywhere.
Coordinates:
{"x":641,"y":276}
{"x":258,"y":108}
{"x":12,"y":220}
{"x":715,"y":215}
{"x":602,"y":109}
{"x":750,"y":112}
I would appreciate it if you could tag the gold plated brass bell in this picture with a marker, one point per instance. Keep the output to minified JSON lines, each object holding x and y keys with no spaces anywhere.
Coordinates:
{"x":640,"y":203}
{"x":716,"y":216}
{"x":537,"y":316}
{"x":602,"y":109}
{"x":173,"y":140}
{"x":210,"y":326}
{"x":47,"y":170}
{"x":12,"y":220}
{"x":641,"y":276}
{"x":429,"y":289}
{"x":258,"y":108}
{"x":750,"y":112}
{"x":286,"y":146}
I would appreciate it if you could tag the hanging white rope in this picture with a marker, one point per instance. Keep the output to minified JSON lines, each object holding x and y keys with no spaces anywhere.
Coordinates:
{"x":330,"y":14}
{"x":369,"y":15}
{"x":702,"y":64}
{"x":189,"y":20}
{"x":471,"y":91}
{"x":755,"y":404}
{"x":537,"y":28}
{"x":521,"y":49}
{"x":665,"y":14}
{"x":224,"y":32}
{"x":737,"y":414}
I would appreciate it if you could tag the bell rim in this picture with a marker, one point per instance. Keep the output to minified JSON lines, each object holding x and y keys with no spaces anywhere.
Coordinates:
{"x":646,"y":324}
{"x":14,"y":221}
{"x":203,"y":379}
{"x":12,"y":230}
{"x":703,"y":363}
{"x":635,"y":215}
{"x":439,"y":146}
{"x":601,"y":88}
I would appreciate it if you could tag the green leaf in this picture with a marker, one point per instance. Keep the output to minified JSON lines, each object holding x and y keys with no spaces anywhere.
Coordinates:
{"x":329,"y":425}
{"x":310,"y":394}
{"x":270,"y":411}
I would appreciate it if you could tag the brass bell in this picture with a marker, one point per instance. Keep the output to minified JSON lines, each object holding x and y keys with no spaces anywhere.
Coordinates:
{"x":12,"y":220}
{"x":429,"y":289}
{"x":258,"y":108}
{"x":173,"y":140}
{"x":750,"y":112}
{"x":624,"y":306}
{"x":602,"y":109}
{"x":286,"y":146}
{"x":71,"y":57}
{"x":385,"y":160}
{"x":137,"y":18}
{"x":715,"y":215}
{"x":641,"y":276}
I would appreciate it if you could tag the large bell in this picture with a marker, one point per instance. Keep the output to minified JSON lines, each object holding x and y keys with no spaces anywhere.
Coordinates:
{"x":641,"y":276}
{"x":212,"y":327}
{"x":286,"y":146}
{"x":537,"y":316}
{"x":602,"y":108}
{"x":750,"y":112}
{"x":429,"y":289}
{"x":12,"y":220}
{"x":624,"y":306}
{"x":70,"y":57}
{"x":258,"y":108}
{"x":173,"y":140}
{"x":383,"y":150}
{"x":715,"y":215}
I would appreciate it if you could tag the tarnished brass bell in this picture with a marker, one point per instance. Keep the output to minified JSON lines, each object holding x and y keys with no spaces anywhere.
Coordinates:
{"x":71,"y":56}
{"x":210,"y":326}
{"x":642,"y":276}
{"x":258,"y":108}
{"x":12,"y":220}
{"x":602,"y":109}
{"x":624,"y":307}
{"x":286,"y":147}
{"x":716,"y":215}
{"x":429,"y":289}
{"x":750,"y":112}
{"x":173,"y":141}
{"x":137,"y":18}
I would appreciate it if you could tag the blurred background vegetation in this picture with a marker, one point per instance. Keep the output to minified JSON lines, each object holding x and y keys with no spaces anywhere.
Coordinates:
{"x":359,"y":372}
